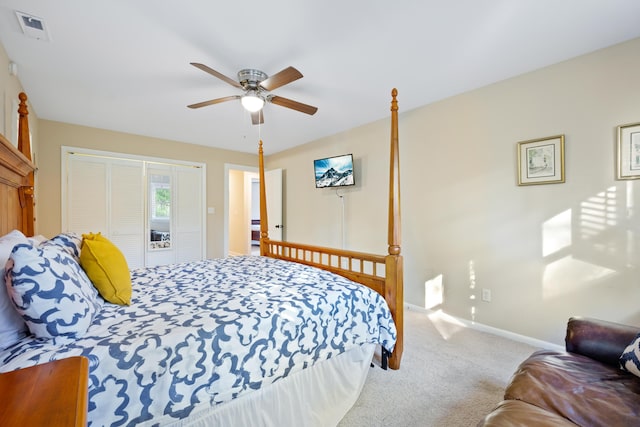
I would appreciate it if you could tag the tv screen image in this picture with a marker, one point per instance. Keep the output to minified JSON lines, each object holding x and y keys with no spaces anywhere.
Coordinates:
{"x":334,"y":171}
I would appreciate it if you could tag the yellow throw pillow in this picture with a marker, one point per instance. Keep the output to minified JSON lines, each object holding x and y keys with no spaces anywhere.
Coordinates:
{"x":107,"y":268}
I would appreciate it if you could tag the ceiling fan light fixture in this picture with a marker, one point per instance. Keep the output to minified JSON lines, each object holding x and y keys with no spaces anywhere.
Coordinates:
{"x":252,"y":102}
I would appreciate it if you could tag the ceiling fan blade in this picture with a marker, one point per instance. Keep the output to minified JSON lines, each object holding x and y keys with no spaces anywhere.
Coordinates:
{"x":257,"y":118}
{"x":281,"y":78}
{"x":294,"y":105}
{"x":214,"y":101}
{"x":217,"y":74}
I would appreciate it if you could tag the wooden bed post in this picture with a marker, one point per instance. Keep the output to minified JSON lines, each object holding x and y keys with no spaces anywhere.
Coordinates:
{"x":24,"y":146}
{"x":394,"y":265}
{"x":351,"y":264}
{"x":264,"y":223}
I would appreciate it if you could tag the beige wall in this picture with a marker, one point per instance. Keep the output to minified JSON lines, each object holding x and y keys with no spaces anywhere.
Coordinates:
{"x":53,"y":135}
{"x":546,"y":252}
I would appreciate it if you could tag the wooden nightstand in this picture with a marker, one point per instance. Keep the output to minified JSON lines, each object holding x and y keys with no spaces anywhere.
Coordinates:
{"x":50,"y":394}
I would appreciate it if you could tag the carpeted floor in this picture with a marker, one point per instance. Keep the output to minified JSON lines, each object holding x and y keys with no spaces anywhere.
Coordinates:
{"x":450,"y":376}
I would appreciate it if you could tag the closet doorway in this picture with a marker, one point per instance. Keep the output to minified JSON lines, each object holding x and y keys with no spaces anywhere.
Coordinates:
{"x":242,"y":212}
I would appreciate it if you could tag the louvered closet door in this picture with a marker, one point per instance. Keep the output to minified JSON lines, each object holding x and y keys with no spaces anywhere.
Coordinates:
{"x":85,"y":209}
{"x":127,"y":210}
{"x":106,"y":195}
{"x":189,"y":217}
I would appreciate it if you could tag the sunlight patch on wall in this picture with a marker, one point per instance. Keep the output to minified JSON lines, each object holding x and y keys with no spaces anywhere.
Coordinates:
{"x":629,"y":202}
{"x":433,"y":292}
{"x":556,"y":233}
{"x":472,"y":288}
{"x":447,"y":326}
{"x":568,"y":275}
{"x":598,"y":213}
{"x":631,"y":235}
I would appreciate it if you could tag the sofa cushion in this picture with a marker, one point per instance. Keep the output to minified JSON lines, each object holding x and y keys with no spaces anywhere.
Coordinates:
{"x":583,"y":390}
{"x":630,"y":358}
{"x":516,"y":413}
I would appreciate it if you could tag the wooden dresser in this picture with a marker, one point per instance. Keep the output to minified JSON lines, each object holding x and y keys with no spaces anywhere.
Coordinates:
{"x":52,"y":394}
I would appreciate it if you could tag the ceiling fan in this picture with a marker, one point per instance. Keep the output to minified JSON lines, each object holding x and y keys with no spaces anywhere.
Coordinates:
{"x":257,"y":86}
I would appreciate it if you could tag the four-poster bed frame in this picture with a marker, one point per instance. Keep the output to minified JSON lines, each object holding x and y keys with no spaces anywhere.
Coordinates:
{"x":382,"y":273}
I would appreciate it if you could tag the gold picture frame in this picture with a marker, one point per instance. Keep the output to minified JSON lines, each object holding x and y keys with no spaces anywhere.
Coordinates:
{"x":541,"y":161}
{"x":628,"y":152}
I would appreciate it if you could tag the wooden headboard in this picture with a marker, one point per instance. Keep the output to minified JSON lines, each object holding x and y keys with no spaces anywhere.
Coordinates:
{"x":16,"y":178}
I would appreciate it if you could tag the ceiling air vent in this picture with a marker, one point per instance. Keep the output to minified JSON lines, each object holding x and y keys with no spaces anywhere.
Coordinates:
{"x":32,"y":26}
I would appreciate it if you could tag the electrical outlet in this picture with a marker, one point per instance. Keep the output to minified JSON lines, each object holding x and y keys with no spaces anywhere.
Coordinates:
{"x":486,"y":295}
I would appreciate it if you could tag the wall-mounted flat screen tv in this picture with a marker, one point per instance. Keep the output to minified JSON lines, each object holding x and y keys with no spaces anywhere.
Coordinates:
{"x":334,"y":171}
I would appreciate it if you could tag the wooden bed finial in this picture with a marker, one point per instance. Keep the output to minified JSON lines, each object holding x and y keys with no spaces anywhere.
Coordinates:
{"x":24,"y":143}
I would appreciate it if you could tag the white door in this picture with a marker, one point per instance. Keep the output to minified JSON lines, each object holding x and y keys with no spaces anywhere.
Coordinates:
{"x":189,"y":210}
{"x":85,"y":204}
{"x":126,"y":224}
{"x":273,"y":184}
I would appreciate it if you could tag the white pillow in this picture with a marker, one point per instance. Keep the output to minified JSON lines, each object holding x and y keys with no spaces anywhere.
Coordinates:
{"x":37,"y":240}
{"x":51,"y":291}
{"x":12,"y":327}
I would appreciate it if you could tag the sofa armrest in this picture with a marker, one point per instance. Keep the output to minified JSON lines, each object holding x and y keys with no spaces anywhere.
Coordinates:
{"x":598,"y":339}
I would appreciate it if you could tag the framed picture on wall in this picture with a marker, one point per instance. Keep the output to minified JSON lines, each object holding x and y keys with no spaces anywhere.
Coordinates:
{"x":628,"y":159}
{"x":541,"y":161}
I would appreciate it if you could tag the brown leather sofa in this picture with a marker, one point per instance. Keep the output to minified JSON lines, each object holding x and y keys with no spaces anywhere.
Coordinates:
{"x":583,"y":385}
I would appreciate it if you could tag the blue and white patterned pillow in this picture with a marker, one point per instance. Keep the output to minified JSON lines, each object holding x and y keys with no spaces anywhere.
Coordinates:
{"x":630,"y":358}
{"x":70,"y":242}
{"x":51,"y":292}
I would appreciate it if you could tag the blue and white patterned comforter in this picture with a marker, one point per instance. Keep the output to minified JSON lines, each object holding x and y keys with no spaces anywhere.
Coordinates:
{"x":200,"y":334}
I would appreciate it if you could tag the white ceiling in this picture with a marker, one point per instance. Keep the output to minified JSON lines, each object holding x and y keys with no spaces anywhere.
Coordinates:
{"x":124,"y":64}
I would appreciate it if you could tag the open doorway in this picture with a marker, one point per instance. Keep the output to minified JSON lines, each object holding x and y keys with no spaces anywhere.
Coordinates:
{"x":255,"y":215}
{"x":242,"y":209}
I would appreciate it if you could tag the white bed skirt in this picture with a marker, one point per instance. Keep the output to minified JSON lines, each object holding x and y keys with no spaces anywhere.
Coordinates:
{"x":318,"y":396}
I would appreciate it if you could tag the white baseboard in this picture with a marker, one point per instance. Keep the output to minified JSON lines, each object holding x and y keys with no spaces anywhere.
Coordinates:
{"x":495,"y":331}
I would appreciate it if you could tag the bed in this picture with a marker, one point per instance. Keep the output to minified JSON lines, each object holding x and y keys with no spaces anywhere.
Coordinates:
{"x":286,"y":338}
